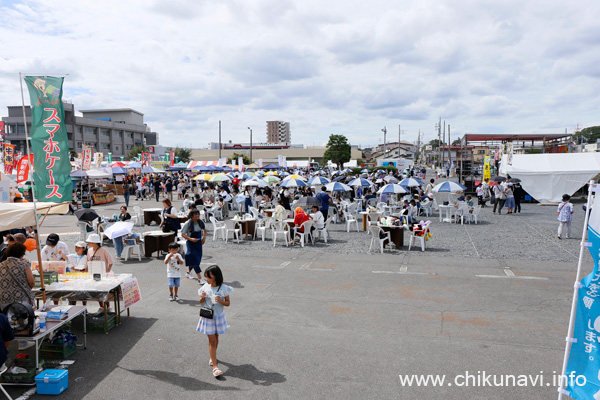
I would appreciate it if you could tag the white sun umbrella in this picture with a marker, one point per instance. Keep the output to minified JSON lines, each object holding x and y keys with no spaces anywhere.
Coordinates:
{"x":294,"y":176}
{"x":392,"y":188}
{"x":271,"y":179}
{"x":411,"y":182}
{"x":220,"y":178}
{"x":453,"y":189}
{"x":118,"y":229}
{"x":254,"y":182}
{"x":390,"y":179}
{"x":337,"y":187}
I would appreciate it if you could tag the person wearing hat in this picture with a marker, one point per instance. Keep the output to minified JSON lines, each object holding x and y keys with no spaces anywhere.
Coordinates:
{"x":565,"y":215}
{"x":98,"y":253}
{"x":55,"y":250}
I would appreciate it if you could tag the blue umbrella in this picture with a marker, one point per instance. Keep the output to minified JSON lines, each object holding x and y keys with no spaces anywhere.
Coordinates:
{"x":337,"y":187}
{"x":292,"y":183}
{"x":392,"y":188}
{"x":411,"y":182}
{"x":448,"y":187}
{"x":361,"y":182}
{"x":365,"y":171}
{"x":317,"y":180}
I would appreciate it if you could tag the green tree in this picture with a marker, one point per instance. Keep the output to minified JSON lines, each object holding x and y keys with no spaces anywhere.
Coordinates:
{"x":183,"y":154}
{"x":456,"y":142}
{"x":338,"y":150}
{"x":235,"y":156}
{"x":435,"y":143}
{"x":587,"y":135}
{"x":135,"y":150}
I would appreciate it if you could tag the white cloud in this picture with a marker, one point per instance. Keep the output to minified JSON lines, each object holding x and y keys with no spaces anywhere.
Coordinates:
{"x":345,"y":67}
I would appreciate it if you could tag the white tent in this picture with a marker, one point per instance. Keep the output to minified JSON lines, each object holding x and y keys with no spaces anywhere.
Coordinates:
{"x":18,"y":215}
{"x":5,"y":184}
{"x":546,"y":177}
{"x":100,"y":173}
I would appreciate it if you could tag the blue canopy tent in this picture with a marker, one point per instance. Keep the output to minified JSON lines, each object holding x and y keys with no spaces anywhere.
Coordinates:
{"x":134,"y":165}
{"x":119,"y":171}
{"x":271,"y":166}
{"x":80,"y":174}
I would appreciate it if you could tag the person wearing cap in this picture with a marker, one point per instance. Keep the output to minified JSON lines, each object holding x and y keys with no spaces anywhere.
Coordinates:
{"x":565,"y":215}
{"x":10,"y":239}
{"x":55,"y":250}
{"x":78,"y":260}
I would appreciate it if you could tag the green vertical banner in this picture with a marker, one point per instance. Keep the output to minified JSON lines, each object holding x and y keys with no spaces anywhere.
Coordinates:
{"x":49,"y":141}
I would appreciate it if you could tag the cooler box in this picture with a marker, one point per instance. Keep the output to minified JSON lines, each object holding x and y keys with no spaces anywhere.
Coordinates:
{"x":52,"y":381}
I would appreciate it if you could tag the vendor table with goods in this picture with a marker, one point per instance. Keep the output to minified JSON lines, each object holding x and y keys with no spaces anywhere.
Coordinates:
{"x":70,"y":313}
{"x":157,"y":241}
{"x":78,"y":286}
{"x":396,"y":233}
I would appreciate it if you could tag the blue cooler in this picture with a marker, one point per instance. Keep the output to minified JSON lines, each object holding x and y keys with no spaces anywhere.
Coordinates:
{"x":52,"y":381}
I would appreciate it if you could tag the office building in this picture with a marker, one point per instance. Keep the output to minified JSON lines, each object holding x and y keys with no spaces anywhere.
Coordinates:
{"x":278,"y":132}
{"x":114,"y":131}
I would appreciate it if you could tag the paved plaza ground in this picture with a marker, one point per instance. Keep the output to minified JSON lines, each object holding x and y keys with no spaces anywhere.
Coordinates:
{"x":332,"y":321}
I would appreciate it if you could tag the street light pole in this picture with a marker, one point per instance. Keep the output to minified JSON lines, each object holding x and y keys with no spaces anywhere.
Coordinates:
{"x":250,"y":145}
{"x":384,"y":130}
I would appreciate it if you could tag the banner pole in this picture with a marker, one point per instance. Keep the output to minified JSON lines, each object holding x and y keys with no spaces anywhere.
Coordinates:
{"x":584,"y":237}
{"x":31,"y":171}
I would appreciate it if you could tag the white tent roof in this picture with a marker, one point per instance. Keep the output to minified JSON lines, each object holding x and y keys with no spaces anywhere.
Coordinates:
{"x":18,"y":215}
{"x":546,"y":177}
{"x":100,"y":173}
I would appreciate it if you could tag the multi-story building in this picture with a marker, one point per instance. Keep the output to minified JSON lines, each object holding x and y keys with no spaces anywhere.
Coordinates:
{"x":113,"y":131}
{"x":278,"y":132}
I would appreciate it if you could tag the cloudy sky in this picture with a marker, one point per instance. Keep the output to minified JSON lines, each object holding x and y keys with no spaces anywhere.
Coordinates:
{"x":328,"y":66}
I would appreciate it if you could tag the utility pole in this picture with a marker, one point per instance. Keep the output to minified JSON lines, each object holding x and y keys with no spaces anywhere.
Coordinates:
{"x":384,"y":130}
{"x":220,"y":140}
{"x":443,"y":141}
{"x":418,"y":146}
{"x":449,"y":152}
{"x":250,"y":144}
{"x":439,"y":157}
{"x":399,"y":133}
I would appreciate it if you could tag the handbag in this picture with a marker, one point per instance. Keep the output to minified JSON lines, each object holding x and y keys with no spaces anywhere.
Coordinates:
{"x":206,"y":312}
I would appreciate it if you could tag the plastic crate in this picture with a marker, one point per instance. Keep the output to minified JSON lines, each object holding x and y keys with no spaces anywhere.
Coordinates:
{"x":49,"y":278}
{"x":95,"y":322}
{"x":24,"y":378}
{"x":52,"y":381}
{"x":58,"y":350}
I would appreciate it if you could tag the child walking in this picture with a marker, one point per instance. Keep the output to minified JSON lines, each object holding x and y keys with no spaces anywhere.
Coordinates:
{"x":565,"y":215}
{"x":215,"y":295}
{"x":174,"y":262}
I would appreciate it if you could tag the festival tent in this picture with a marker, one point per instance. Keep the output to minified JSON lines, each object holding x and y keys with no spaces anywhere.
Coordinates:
{"x":78,"y":174}
{"x":100,"y":173}
{"x":119,"y":171}
{"x":546,"y":177}
{"x":151,"y":170}
{"x":271,"y":166}
{"x":18,"y":215}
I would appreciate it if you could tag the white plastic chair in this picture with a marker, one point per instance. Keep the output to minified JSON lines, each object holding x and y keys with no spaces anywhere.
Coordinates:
{"x":283,"y":229}
{"x":427,"y":208}
{"x":372,"y":219}
{"x":414,"y":237}
{"x":128,"y":248}
{"x":82,"y":229}
{"x":218,"y":227}
{"x":235,"y":228}
{"x":306,"y":225}
{"x":254,"y":212}
{"x":349,"y":220}
{"x":3,"y":369}
{"x":139,"y":215}
{"x":374,"y":230}
{"x":474,"y":216}
{"x":261,"y":226}
{"x":461,"y":212}
{"x":325,"y":230}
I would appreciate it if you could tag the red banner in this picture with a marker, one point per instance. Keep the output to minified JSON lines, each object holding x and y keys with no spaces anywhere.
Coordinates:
{"x":171,"y":158}
{"x":2,"y":131}
{"x":9,"y":158}
{"x":87,"y":157}
{"x":23,"y":169}
{"x":145,"y":159}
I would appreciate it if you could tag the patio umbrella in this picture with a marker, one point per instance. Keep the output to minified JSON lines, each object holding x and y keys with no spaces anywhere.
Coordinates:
{"x":294,"y":176}
{"x":337,"y":187}
{"x":365,"y":171}
{"x":498,"y":179}
{"x":271,"y":173}
{"x":379,"y":180}
{"x":361,"y":182}
{"x":86,"y":214}
{"x":448,"y":187}
{"x":271,"y":179}
{"x":203,"y":177}
{"x":390,"y":179}
{"x":118,"y":229}
{"x":288,"y":183}
{"x":411,"y":182}
{"x":305,"y":202}
{"x":392,"y":188}
{"x":220,"y":178}
{"x":317,"y":180}
{"x":338,"y":178}
{"x":514,"y":180}
{"x":348,"y":171}
{"x":247,"y":175}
